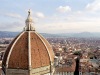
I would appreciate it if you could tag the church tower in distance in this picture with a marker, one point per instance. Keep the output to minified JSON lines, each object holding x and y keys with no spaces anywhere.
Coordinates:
{"x":28,"y":54}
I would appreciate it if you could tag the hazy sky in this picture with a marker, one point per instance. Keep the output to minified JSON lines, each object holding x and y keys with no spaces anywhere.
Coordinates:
{"x":51,"y":16}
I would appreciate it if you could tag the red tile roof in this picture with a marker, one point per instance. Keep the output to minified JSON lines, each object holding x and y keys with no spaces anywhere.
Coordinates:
{"x":67,"y":69}
{"x":49,"y":48}
{"x":19,"y":54}
{"x":41,"y":52}
{"x":7,"y":50}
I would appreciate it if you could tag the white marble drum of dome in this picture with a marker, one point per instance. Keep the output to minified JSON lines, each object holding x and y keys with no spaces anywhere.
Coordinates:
{"x":28,"y":54}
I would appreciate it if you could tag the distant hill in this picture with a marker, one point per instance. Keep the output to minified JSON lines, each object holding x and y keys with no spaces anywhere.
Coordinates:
{"x":50,"y":35}
{"x":8,"y":34}
{"x":13,"y":34}
{"x":83,"y":34}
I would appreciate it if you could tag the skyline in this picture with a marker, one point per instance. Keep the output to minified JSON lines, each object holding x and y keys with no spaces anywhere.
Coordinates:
{"x":66,"y":16}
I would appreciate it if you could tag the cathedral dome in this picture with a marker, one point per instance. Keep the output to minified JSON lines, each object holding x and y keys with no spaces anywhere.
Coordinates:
{"x":28,"y":50}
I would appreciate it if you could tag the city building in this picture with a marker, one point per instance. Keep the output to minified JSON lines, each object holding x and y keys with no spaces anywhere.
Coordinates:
{"x":28,"y":54}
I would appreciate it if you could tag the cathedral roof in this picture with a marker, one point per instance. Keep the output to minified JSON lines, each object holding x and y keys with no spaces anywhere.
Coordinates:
{"x":29,"y":49}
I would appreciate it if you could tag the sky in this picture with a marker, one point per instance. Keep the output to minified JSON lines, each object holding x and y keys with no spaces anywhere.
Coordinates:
{"x":51,"y":16}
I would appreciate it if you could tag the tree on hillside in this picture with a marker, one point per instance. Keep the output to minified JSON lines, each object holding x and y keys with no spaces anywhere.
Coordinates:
{"x":64,"y":49}
{"x":0,"y":42}
{"x":6,"y":42}
{"x":91,"y":57}
{"x":77,"y":53}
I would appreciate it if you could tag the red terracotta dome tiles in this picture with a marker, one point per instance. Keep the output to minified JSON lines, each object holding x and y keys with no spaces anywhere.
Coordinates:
{"x":8,"y":49}
{"x":39,"y":54}
{"x":43,"y":52}
{"x":40,"y":50}
{"x":49,"y":48}
{"x":35,"y":58}
{"x":19,"y":54}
